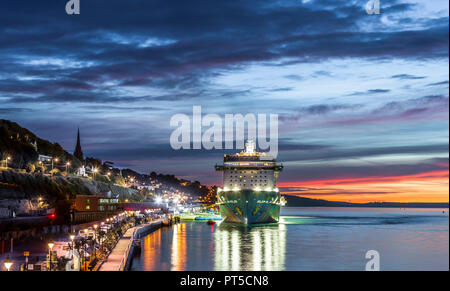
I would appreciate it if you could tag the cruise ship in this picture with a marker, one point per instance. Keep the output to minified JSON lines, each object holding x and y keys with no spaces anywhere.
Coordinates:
{"x":249,"y":194}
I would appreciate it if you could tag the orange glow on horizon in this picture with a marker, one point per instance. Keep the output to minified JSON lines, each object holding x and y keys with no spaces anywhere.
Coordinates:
{"x":424,"y":187}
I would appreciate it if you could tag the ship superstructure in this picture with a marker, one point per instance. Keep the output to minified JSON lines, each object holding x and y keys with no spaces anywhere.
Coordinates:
{"x":249,"y":194}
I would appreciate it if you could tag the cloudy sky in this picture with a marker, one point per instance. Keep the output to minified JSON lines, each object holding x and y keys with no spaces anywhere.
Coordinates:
{"x":362,"y":99}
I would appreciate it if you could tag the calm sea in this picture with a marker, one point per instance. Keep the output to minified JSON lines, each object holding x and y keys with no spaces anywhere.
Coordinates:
{"x":305,"y":239}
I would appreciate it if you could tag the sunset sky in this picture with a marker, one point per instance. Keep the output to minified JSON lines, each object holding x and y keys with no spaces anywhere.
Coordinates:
{"x":362,"y":99}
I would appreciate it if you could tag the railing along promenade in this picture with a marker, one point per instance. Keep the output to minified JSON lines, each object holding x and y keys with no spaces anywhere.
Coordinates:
{"x":120,"y":255}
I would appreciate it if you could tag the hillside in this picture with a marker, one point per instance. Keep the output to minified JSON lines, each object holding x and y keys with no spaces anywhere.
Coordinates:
{"x":294,"y":201}
{"x":20,"y":187}
{"x":23,"y":146}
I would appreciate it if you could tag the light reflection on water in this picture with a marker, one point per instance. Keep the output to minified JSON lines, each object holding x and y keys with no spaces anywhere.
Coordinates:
{"x":257,"y":248}
{"x":305,"y":239}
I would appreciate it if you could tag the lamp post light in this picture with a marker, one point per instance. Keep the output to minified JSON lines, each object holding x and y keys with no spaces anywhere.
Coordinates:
{"x":95,"y":232}
{"x":54,"y":160}
{"x":72,"y":238}
{"x":95,"y":170}
{"x":95,"y":239}
{"x":67,"y":167}
{"x":84,"y":254}
{"x":50,"y":247}
{"x":102,"y":228}
{"x":6,"y":161}
{"x":8,"y":263}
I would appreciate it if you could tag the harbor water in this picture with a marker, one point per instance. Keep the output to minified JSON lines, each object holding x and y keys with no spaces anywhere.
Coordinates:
{"x":304,"y":239}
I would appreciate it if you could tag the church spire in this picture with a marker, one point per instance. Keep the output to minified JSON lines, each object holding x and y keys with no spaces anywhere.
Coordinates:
{"x":78,"y":152}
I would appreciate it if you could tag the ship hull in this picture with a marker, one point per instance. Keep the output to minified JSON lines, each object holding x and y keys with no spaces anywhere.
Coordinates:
{"x":249,"y":207}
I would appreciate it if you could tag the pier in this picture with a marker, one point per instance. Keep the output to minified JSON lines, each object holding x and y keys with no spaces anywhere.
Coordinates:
{"x":119,"y":258}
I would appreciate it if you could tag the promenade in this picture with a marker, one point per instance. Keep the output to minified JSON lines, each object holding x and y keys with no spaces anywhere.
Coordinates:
{"x":118,"y":258}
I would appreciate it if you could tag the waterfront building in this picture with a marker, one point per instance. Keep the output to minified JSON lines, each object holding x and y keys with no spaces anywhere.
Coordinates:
{"x":94,"y":207}
{"x":44,"y":158}
{"x":93,"y":203}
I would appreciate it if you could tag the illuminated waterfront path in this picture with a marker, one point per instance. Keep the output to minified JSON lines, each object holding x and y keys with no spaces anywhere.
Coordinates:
{"x":118,"y":258}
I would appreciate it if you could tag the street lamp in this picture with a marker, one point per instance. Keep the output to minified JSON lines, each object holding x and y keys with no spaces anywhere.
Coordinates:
{"x":56,"y":160}
{"x":67,"y":167}
{"x":72,"y":237}
{"x":84,"y":254}
{"x":95,"y":239}
{"x":50,"y":247}
{"x":8,"y":263}
{"x":95,"y":170}
{"x":6,"y":161}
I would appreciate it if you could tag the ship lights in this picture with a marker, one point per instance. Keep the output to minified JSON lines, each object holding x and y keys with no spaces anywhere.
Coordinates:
{"x":268,"y":189}
{"x":276,"y":190}
{"x":257,"y":189}
{"x":219,"y":190}
{"x":235,"y":189}
{"x":225,"y":189}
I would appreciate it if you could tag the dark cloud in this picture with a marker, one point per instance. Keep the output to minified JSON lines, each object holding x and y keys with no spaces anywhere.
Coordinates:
{"x":413,"y":106}
{"x":281,"y":89}
{"x":180,"y":44}
{"x":438,"y":83}
{"x":322,"y":74}
{"x":14,"y":110}
{"x":329,"y":154}
{"x":327,"y":108}
{"x":305,"y":172}
{"x":318,"y":109}
{"x":138,"y":56}
{"x":371,"y":91}
{"x":294,"y":77}
{"x":407,"y":77}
